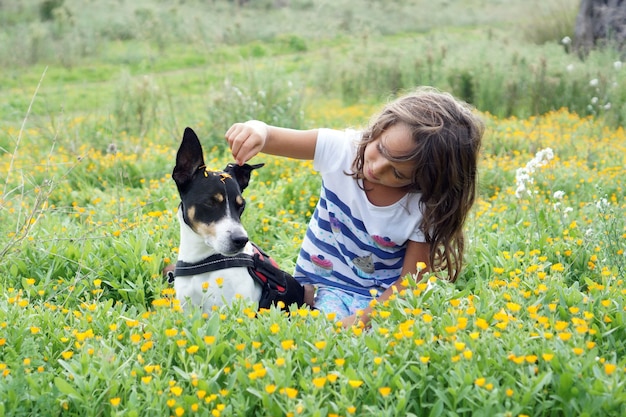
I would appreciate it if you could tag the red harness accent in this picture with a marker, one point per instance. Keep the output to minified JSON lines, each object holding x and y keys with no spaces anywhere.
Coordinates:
{"x":264,"y":260}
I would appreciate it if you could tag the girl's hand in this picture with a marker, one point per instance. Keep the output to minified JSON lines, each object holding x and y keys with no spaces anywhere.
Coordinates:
{"x":247,"y":139}
{"x":348,"y":322}
{"x":358,"y":320}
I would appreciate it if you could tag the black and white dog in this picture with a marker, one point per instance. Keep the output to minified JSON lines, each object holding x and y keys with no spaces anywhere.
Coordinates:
{"x":216,"y":261}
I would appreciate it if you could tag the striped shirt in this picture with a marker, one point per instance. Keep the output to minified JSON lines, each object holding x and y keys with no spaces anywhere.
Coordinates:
{"x":350,"y":243}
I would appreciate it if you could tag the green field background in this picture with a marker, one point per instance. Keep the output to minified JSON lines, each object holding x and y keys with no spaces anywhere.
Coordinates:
{"x":94,"y":97}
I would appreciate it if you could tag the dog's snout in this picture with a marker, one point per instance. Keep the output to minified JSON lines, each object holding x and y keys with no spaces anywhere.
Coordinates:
{"x":239,"y":239}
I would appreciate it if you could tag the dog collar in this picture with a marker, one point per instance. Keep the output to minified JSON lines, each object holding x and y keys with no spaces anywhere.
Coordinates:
{"x":212,"y":263}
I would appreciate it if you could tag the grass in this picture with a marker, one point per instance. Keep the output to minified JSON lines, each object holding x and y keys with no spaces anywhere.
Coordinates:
{"x":534,"y":326}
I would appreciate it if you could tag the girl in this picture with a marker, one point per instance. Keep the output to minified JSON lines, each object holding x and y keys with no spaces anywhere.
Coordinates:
{"x":392,"y":196}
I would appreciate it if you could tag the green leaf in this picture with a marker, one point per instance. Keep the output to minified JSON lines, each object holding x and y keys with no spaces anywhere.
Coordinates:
{"x":66,"y":388}
{"x":255,"y":392}
{"x":545,"y":380}
{"x":565,"y":384}
{"x":182,"y":373}
{"x":372,"y":343}
{"x":350,"y":373}
{"x":212,"y":325}
{"x":437,"y":409}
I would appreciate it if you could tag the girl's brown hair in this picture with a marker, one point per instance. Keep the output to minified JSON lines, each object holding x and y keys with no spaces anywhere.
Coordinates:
{"x":447,"y":138}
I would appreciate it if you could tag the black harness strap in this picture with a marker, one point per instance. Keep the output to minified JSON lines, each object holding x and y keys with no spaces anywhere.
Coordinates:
{"x":261,"y":267}
{"x":212,"y":263}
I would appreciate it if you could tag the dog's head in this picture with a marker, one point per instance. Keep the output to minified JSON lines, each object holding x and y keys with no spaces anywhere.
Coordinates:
{"x":211,"y":201}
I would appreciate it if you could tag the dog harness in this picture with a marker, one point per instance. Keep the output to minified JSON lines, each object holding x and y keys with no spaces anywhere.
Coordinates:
{"x":262,"y":269}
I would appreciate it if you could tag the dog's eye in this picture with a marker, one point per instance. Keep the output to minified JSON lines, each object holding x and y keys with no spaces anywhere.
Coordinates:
{"x":214,"y":201}
{"x":218,"y":198}
{"x":240,"y":203}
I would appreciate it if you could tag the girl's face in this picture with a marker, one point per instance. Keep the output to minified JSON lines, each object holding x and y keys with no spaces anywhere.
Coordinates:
{"x":394,"y":142}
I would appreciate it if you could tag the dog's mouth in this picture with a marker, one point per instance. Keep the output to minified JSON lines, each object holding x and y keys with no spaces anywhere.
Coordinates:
{"x":231,"y":252}
{"x":230,"y":245}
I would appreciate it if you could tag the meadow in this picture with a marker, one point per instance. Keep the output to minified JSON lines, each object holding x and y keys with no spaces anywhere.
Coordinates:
{"x":95,"y":97}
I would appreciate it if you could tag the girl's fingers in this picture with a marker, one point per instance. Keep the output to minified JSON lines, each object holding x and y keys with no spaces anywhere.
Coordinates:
{"x":235,"y":138}
{"x":245,"y":141}
{"x":248,"y":148}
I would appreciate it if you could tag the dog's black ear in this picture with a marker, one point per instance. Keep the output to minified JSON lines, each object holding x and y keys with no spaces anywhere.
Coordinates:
{"x":241,"y":173}
{"x":188,"y":159}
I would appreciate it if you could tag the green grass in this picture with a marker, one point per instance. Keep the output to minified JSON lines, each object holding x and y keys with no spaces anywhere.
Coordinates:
{"x":534,"y":326}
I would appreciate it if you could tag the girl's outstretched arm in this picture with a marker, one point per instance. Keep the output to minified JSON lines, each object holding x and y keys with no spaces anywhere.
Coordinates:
{"x":249,"y":138}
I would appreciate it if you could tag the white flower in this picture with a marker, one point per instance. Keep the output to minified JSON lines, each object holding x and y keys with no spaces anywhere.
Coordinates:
{"x":570,"y":68}
{"x":602,"y":203}
{"x":558,"y":195}
{"x":521,"y":178}
{"x":617,"y":65}
{"x":542,"y":157}
{"x":523,"y":175}
{"x":566,"y":40}
{"x":607,"y":106}
{"x":594,"y":82}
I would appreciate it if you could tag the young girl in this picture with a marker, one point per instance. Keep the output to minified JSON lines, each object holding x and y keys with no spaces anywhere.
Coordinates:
{"x":392,"y":196}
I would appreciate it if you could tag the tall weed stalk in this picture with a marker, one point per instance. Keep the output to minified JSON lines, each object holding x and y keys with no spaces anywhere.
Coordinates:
{"x":23,"y":200}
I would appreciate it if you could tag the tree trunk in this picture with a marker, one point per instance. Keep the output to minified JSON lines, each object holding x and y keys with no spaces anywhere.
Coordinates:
{"x":600,"y":23}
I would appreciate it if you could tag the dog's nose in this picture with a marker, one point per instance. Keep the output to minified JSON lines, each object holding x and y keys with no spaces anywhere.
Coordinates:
{"x":239,"y":239}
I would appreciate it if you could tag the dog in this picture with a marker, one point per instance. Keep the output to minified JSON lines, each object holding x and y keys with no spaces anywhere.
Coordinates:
{"x":216,"y":261}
